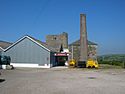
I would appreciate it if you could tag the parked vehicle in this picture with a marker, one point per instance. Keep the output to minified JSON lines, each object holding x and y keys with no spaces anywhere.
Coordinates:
{"x":91,"y":63}
{"x":72,"y":63}
{"x":5,"y":60}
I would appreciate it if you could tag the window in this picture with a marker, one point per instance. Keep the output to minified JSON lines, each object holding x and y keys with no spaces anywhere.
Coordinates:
{"x":55,"y":38}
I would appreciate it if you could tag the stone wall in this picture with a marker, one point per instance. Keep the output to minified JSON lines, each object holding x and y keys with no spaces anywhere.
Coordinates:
{"x":56,"y":41}
{"x":92,"y":49}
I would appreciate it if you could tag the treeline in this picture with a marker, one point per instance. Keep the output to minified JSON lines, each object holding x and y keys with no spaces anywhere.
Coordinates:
{"x":117,"y":59}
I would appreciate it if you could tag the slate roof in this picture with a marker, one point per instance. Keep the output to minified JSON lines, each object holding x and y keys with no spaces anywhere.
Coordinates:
{"x":77,"y":43}
{"x":4,"y":44}
{"x":1,"y":49}
{"x":43,"y":43}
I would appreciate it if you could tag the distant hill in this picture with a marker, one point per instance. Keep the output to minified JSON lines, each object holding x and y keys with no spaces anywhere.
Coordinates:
{"x":112,"y":57}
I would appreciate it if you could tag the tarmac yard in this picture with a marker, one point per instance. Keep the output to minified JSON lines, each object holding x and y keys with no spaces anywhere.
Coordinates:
{"x":62,"y":81}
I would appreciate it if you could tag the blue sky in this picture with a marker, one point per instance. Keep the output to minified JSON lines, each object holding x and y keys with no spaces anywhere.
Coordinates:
{"x":38,"y":18}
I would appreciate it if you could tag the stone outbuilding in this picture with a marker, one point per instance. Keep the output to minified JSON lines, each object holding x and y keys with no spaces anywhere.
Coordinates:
{"x":75,"y":46}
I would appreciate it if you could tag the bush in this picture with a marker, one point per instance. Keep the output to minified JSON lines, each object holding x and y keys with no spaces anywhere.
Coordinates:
{"x":117,"y":63}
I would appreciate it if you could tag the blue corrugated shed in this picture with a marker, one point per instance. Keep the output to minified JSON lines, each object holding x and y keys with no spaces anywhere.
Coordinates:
{"x":30,"y":52}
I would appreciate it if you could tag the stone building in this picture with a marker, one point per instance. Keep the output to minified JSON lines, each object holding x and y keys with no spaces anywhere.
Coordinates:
{"x":60,"y":44}
{"x":58,"y":41}
{"x":75,"y":46}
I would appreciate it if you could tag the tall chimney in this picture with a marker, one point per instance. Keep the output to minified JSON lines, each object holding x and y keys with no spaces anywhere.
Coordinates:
{"x":83,"y":39}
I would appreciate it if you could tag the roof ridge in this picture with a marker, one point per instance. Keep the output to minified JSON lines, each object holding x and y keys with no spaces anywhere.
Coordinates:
{"x":5,"y":41}
{"x":30,"y":38}
{"x":77,"y":42}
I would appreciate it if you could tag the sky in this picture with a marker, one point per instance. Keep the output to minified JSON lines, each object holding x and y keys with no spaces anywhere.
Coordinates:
{"x":38,"y":18}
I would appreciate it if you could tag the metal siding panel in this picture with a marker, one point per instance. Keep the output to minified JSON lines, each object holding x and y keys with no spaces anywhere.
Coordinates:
{"x":27,"y":51}
{"x":0,"y":52}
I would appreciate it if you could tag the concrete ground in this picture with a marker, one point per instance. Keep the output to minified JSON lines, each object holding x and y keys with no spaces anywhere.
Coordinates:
{"x":62,"y":81}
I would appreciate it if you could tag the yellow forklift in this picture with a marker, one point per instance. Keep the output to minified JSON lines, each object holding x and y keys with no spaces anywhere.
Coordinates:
{"x":72,"y":63}
{"x":91,"y":63}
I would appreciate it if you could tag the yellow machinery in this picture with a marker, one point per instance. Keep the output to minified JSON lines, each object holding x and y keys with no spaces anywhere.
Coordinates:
{"x":92,"y":63}
{"x":72,"y":63}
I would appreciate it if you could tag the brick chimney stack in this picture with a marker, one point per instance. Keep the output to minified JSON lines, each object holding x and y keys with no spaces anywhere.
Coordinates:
{"x":83,"y":39}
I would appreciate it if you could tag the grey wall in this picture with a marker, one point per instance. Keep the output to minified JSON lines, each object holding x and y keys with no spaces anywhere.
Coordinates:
{"x":27,"y":51}
{"x":56,"y":41}
{"x":0,"y":52}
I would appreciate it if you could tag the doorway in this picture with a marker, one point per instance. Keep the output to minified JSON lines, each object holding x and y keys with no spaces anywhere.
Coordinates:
{"x":60,"y":60}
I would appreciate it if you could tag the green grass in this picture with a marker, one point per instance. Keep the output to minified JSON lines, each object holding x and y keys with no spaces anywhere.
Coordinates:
{"x":107,"y":66}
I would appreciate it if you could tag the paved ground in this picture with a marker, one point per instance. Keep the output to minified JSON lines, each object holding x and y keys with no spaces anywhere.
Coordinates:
{"x":63,"y":81}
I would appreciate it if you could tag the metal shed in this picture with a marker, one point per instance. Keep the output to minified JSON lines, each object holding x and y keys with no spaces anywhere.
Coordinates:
{"x":30,"y":52}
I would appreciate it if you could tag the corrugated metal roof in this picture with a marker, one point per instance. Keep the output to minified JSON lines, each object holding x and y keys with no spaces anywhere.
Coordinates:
{"x":40,"y":43}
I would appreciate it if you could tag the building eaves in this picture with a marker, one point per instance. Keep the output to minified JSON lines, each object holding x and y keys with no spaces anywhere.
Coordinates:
{"x":1,"y":49}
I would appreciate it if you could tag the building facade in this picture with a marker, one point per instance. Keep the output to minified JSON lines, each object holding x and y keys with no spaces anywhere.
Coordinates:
{"x":58,"y":41}
{"x":29,"y":52}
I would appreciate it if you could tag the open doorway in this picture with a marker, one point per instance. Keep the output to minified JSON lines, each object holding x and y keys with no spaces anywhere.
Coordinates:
{"x":61,"y":58}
